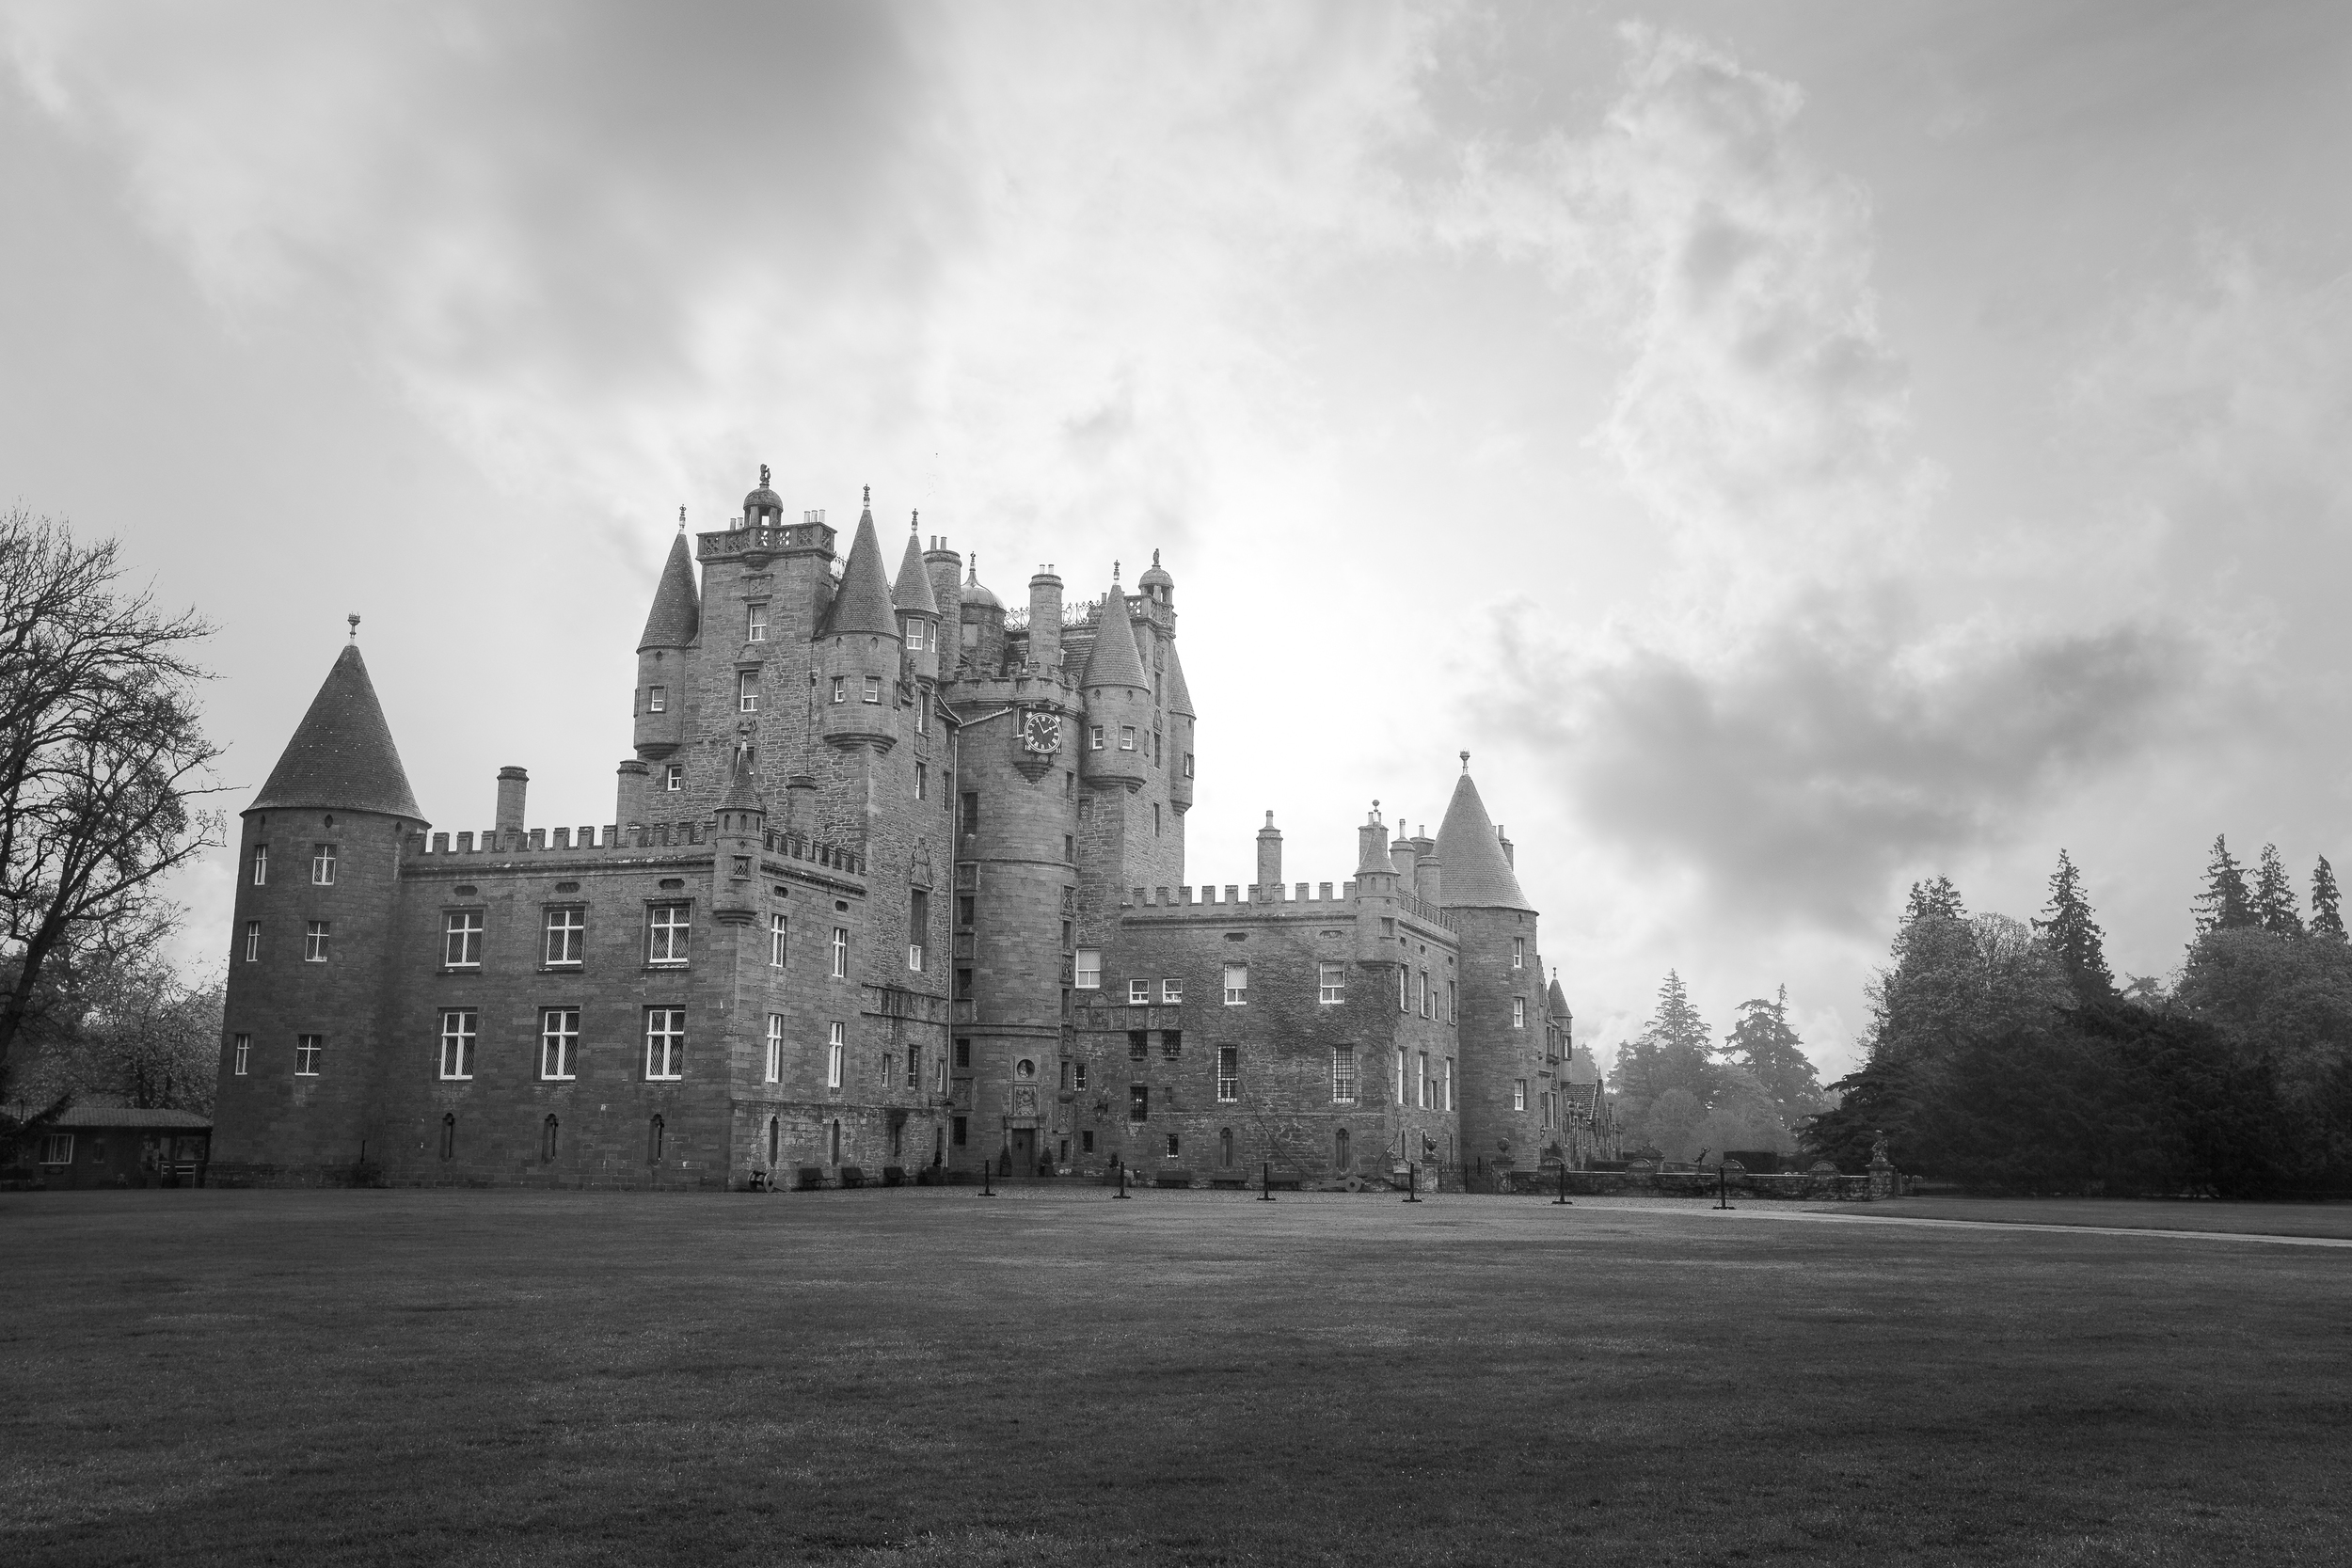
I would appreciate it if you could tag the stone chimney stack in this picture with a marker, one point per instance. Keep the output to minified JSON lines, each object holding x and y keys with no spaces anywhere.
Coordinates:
{"x":629,"y":795}
{"x":1508,"y":858}
{"x":512,"y":782}
{"x":1045,"y":618}
{"x":1270,"y":860}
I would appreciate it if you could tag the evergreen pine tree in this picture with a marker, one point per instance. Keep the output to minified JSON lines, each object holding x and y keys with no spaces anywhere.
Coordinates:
{"x":2274,"y":896}
{"x":2074,"y":936}
{"x":1937,"y":899}
{"x":2225,"y":905}
{"x":1764,"y":1044}
{"x":2326,"y":919}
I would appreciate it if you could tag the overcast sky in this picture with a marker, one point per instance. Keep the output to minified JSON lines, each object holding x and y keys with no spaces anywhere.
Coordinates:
{"x":1795,"y":448}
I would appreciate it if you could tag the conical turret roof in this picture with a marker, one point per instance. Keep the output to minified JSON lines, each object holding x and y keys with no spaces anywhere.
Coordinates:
{"x":1114,"y":660}
{"x":677,"y":608}
{"x":1471,"y":871}
{"x":1178,"y":695}
{"x":1556,"y":996}
{"x":913,"y":591}
{"x":862,"y":602}
{"x":341,"y":757}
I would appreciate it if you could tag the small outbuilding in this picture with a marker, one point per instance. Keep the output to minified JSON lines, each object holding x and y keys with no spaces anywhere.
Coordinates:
{"x":117,"y":1146}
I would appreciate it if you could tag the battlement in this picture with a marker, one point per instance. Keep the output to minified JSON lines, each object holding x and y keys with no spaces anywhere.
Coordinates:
{"x":1269,"y":902}
{"x":1029,"y":683}
{"x":635,"y":839}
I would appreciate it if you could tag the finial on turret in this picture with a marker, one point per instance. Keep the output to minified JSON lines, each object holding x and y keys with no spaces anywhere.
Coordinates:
{"x":763,"y":476}
{"x":869,"y":498}
{"x":1114,"y":571}
{"x":681,"y":519}
{"x":1465,"y":762}
{"x":1376,"y":809}
{"x":914,"y":521}
{"x":355,"y":626}
{"x":972,"y":572}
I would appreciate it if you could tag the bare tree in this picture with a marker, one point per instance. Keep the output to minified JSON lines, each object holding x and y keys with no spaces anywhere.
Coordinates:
{"x":102,"y":759}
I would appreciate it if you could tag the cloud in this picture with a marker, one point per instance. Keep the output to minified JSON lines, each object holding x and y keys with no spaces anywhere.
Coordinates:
{"x":1796,"y":773}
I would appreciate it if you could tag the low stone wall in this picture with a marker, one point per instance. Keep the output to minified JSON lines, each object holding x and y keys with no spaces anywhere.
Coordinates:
{"x":1653,"y":1184}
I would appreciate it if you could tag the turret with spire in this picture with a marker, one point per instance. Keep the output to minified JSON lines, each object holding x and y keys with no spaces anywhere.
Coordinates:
{"x":860,"y":649}
{"x":1117,"y":698}
{"x":317,"y":898}
{"x":917,"y":608}
{"x":1505,"y":1006}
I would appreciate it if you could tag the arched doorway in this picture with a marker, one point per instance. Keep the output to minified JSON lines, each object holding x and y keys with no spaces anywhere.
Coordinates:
{"x":1225,"y":1147}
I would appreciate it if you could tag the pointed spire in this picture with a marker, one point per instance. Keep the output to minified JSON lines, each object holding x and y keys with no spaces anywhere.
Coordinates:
{"x":1557,"y":998}
{"x":1178,"y":694}
{"x":677,"y":612}
{"x":1114,"y":660}
{"x":1473,"y":871}
{"x":742,"y":794}
{"x":341,"y":757}
{"x":862,"y":602}
{"x":913,"y":591}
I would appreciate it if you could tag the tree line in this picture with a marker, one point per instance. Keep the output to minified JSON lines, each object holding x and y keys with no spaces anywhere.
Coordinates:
{"x":2004,"y":1055}
{"x":105,"y":770}
{"x":1682,"y":1093}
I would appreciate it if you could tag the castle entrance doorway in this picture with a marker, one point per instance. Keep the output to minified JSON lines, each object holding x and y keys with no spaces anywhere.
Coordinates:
{"x":1025,"y":1151}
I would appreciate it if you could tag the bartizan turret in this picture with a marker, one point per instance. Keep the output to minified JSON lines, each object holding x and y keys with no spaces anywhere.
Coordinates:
{"x":1118,"y":701}
{"x":859,"y":651}
{"x":315,"y":939}
{"x":671,"y":629}
{"x":917,"y":606}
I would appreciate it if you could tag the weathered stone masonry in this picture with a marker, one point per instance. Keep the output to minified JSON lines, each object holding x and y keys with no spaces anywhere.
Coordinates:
{"x":894,"y":878}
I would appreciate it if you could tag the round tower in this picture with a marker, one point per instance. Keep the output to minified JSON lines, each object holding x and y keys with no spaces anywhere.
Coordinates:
{"x":318,"y":895}
{"x":1118,"y":696}
{"x":1505,"y":1003}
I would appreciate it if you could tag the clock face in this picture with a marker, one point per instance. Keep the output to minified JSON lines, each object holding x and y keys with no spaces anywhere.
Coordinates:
{"x":1040,"y":730}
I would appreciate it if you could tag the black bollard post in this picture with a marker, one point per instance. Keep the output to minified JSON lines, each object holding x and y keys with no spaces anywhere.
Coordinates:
{"x":986,"y":1190}
{"x":1265,"y":1183}
{"x":1412,"y":1183}
{"x":1723,"y":1188}
{"x":1123,"y":1181}
{"x":1563,"y":1186}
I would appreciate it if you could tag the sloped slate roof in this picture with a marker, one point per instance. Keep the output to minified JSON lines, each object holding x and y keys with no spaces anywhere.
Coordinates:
{"x":677,"y":611}
{"x":913,"y":591}
{"x":1114,"y":660}
{"x":1178,"y":695}
{"x":862,"y":604}
{"x":341,"y":757}
{"x":1472,"y":873}
{"x":131,"y":1116}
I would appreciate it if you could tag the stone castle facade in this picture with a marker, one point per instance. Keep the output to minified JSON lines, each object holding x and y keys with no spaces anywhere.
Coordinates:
{"x":896,"y":877}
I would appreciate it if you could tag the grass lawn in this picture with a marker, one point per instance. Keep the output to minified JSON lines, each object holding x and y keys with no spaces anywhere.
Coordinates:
{"x":1051,"y":1377}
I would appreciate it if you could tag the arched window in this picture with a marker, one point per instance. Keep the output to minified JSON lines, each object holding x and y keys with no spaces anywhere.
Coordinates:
{"x":1225,"y":1145}
{"x":653,"y":1141}
{"x":1339,"y":1150}
{"x":449,"y":1135}
{"x":836,"y":1143}
{"x":773,"y":1144}
{"x":546,"y":1140}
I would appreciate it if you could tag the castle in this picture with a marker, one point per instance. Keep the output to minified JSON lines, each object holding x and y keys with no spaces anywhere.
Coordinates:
{"x":895,"y":880}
